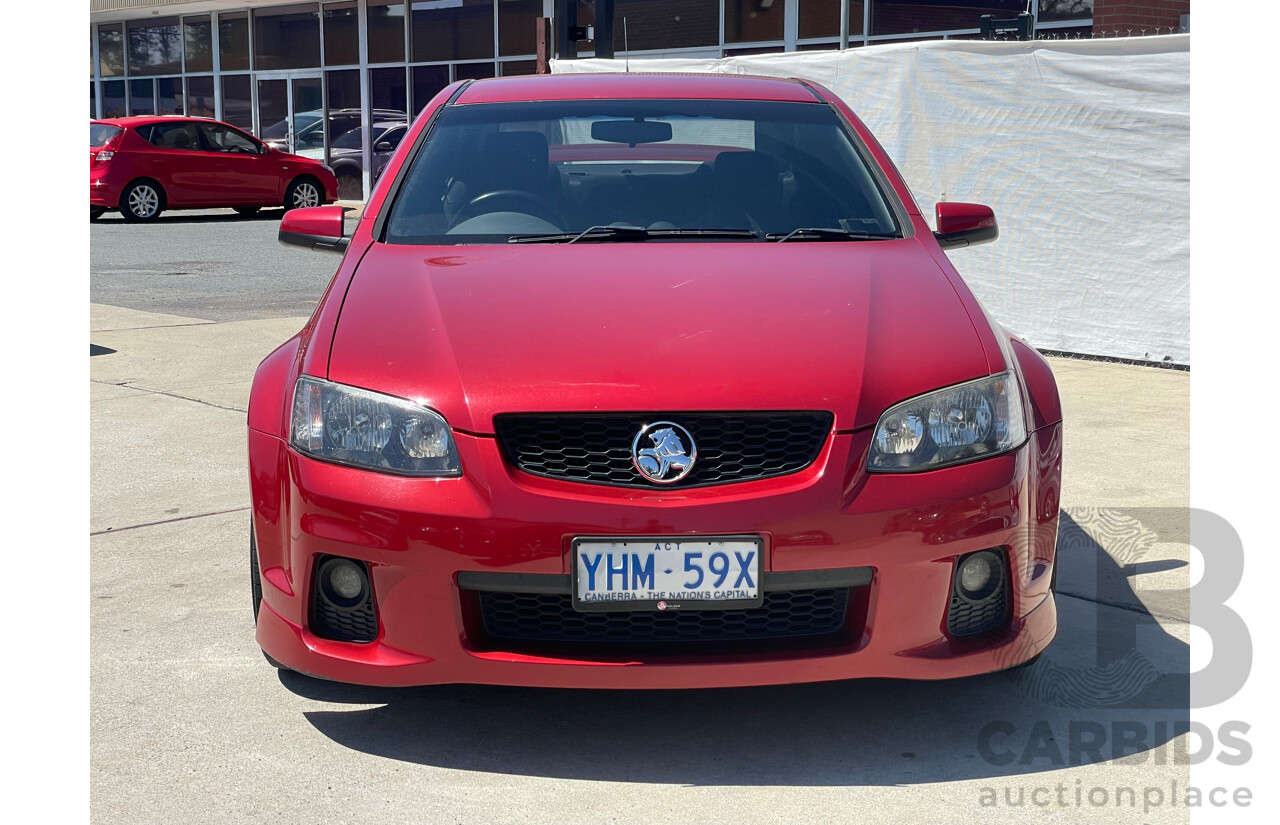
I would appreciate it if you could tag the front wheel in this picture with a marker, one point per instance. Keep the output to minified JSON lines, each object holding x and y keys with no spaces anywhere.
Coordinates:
{"x":302,"y":193}
{"x":142,"y":201}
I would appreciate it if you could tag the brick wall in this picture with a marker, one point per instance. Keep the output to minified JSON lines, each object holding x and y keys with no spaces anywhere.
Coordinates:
{"x":1109,"y":15}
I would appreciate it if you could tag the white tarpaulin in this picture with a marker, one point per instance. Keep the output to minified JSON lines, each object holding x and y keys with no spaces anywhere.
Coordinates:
{"x":1083,"y":148}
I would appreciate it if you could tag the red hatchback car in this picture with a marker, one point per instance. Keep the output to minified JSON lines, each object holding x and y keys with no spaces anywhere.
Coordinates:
{"x":643,"y":381}
{"x":145,"y":165}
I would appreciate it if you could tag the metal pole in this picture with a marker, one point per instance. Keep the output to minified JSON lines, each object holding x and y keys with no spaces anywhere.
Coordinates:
{"x":565,"y":18}
{"x":844,"y":24}
{"x":604,"y":28}
{"x":366,"y":104}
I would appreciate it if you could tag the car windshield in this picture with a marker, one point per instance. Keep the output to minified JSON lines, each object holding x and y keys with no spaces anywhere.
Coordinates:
{"x":638,"y":170}
{"x":100,"y":133}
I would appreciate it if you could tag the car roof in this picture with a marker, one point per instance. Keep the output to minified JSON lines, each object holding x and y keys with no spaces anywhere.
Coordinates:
{"x":636,"y":86}
{"x":142,"y":120}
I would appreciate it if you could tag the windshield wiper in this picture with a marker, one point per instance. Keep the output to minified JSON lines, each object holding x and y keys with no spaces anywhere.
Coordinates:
{"x":821,"y":233}
{"x":631,"y":233}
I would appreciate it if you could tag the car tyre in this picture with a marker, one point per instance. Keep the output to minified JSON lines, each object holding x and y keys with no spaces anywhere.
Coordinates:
{"x":255,"y":591}
{"x":247,"y":210}
{"x":350,"y":187}
{"x":142,"y":201}
{"x":302,"y":193}
{"x":95,"y":212}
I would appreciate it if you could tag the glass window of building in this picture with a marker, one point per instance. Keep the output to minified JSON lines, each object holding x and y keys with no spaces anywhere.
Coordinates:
{"x":518,"y":26}
{"x":169,"y":95}
{"x":93,"y":100}
{"x":389,"y":91}
{"x":142,"y":97}
{"x":821,"y":18}
{"x":273,"y":112}
{"x":200,"y":96}
{"x":515,"y":68}
{"x":197,"y":37}
{"x":751,"y":21}
{"x":341,"y":34}
{"x":427,"y":82}
{"x":386,"y":31}
{"x":474,"y":71}
{"x":237,"y":101}
{"x":911,"y":16}
{"x":667,"y":24}
{"x":111,"y":50}
{"x":342,"y":90}
{"x":1052,"y":10}
{"x":452,"y":30}
{"x":155,"y":46}
{"x":286,"y":38}
{"x":233,"y":41}
{"x":113,"y":98}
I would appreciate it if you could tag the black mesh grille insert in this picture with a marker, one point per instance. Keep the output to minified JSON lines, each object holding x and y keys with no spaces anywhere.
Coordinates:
{"x":965,"y":618}
{"x":550,"y":618}
{"x":358,"y":625}
{"x":731,"y":447}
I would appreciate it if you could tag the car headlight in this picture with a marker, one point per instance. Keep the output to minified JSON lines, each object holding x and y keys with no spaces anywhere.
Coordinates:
{"x":333,"y":422}
{"x":973,"y":420}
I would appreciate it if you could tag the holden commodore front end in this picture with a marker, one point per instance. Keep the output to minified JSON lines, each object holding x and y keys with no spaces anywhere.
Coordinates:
{"x":639,"y":382}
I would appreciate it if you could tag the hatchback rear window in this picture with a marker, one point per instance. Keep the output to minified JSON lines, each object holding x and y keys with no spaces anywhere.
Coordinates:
{"x":100,"y":133}
{"x":498,"y":172}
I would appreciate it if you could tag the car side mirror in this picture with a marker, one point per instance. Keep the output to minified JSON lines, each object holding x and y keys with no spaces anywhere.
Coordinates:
{"x":315,"y":227}
{"x":965,"y":224}
{"x":383,"y":146}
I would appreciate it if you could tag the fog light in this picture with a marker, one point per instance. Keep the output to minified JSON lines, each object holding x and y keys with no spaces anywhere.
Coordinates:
{"x":978,"y":576}
{"x":343,"y":583}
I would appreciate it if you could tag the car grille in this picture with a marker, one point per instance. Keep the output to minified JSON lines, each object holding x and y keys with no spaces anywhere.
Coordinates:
{"x":969,"y":619}
{"x":358,"y":625}
{"x":732,"y":447}
{"x":550,"y":618}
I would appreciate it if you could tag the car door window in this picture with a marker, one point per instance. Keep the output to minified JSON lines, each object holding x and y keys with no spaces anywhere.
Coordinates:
{"x":181,"y":136}
{"x":224,"y":139}
{"x":394,"y":136}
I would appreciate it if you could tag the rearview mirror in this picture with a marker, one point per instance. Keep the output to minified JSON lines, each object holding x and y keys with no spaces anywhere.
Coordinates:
{"x":315,"y":227}
{"x":631,"y":132}
{"x":965,"y":224}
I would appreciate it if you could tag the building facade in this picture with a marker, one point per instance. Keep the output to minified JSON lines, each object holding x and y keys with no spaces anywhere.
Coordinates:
{"x":323,"y":78}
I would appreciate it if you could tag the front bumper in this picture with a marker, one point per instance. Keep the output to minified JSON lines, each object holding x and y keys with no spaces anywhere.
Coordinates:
{"x":427,"y":542}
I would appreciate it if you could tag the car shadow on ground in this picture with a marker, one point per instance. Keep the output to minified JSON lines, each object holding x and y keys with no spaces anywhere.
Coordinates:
{"x":1112,"y":676}
{"x":200,"y":216}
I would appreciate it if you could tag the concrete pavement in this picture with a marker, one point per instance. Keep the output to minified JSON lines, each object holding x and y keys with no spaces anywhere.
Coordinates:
{"x":188,"y":723}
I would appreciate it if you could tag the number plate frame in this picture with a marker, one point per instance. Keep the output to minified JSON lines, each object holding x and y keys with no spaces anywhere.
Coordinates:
{"x":685,"y":544}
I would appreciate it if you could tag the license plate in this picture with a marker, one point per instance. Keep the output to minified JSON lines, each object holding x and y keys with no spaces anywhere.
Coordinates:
{"x":667,"y":573}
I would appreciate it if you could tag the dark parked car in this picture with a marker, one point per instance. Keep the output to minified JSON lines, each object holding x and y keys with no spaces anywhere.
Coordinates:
{"x":144,"y":165}
{"x":345,"y":157}
{"x":308,"y":129}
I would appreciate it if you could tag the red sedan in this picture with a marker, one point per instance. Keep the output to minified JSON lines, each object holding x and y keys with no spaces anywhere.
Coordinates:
{"x":145,"y":165}
{"x":649,"y":381}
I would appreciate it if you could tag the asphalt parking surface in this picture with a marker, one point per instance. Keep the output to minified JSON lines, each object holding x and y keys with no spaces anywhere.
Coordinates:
{"x":189,"y":723}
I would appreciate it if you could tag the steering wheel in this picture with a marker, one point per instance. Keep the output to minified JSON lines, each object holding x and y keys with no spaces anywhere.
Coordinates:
{"x":488,"y":202}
